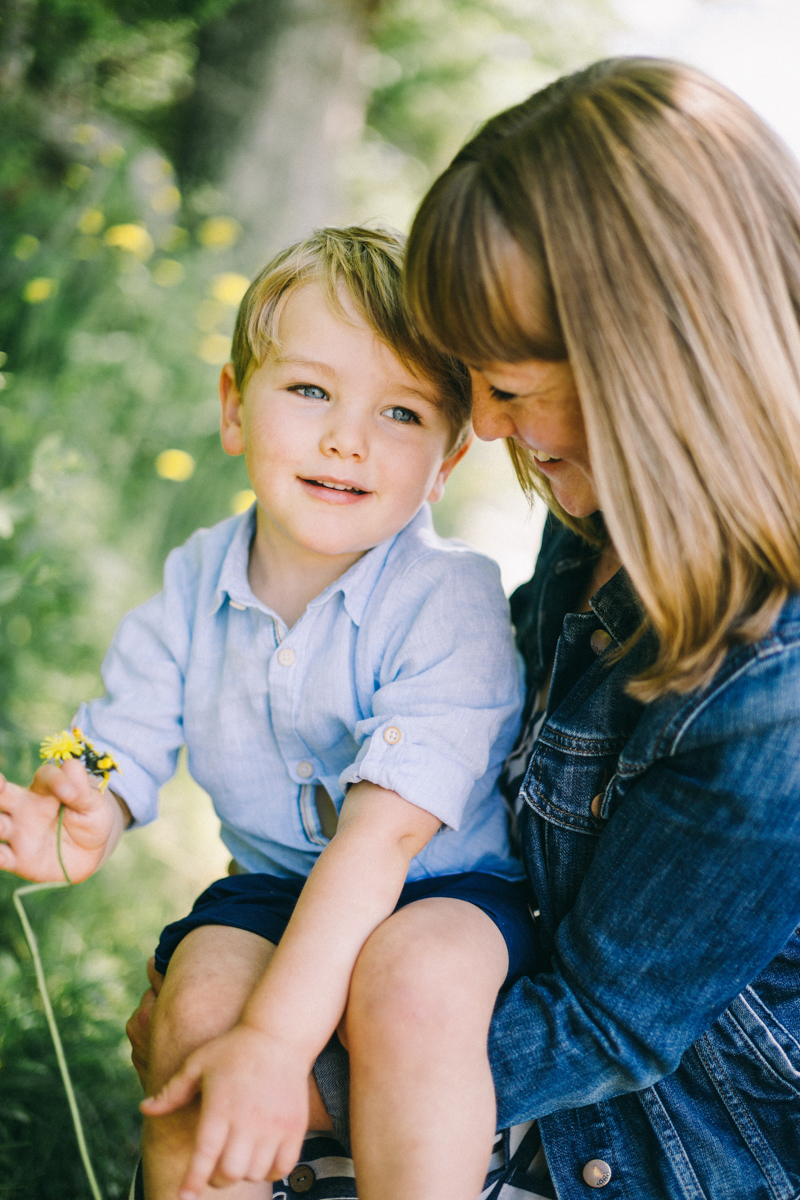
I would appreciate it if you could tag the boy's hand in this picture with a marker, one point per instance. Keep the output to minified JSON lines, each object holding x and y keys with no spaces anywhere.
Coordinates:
{"x":92,"y":823}
{"x":254,"y":1109}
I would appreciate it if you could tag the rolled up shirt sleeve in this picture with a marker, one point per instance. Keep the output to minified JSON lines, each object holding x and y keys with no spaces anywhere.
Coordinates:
{"x":449,"y":688}
{"x":139,"y":720}
{"x":692,"y":891}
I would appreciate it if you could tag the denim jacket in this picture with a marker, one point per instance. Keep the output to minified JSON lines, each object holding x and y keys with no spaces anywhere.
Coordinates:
{"x":661,"y":1038}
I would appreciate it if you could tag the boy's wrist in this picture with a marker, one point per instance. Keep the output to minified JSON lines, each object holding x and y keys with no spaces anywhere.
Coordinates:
{"x":283,"y":1039}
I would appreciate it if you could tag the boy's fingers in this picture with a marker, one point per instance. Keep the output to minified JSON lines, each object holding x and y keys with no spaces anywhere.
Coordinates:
{"x":7,"y":858}
{"x":286,"y":1158}
{"x":235,"y":1161}
{"x":211,"y":1135}
{"x":12,"y":797}
{"x":70,"y":784}
{"x":176,"y":1093}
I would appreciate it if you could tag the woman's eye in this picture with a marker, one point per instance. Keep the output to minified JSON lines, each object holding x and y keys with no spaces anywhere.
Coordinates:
{"x":404,"y":415}
{"x":498,"y":395}
{"x":311,"y":391}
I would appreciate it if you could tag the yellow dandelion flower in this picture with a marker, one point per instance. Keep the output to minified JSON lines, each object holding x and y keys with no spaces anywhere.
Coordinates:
{"x":61,"y":746}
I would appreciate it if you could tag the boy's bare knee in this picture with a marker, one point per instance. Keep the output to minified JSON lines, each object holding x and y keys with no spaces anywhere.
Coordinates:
{"x":206,"y":988}
{"x":418,"y":976}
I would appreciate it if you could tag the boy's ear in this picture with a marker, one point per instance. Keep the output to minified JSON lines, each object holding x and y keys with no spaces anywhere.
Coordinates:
{"x":231,"y":432}
{"x":437,"y":491}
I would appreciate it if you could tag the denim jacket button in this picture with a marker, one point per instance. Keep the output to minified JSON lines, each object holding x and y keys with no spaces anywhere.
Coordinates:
{"x":600,"y":641}
{"x":596,"y":1173}
{"x":597,"y":805}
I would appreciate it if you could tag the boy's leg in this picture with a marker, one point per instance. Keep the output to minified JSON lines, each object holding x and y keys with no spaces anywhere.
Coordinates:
{"x":422,"y":1098}
{"x":211,"y":975}
{"x":210,"y":978}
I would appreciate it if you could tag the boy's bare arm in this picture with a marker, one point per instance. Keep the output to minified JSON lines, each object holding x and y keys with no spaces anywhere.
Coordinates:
{"x":92,"y":824}
{"x":353,"y":887}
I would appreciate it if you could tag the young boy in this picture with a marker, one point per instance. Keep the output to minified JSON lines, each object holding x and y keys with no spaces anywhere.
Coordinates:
{"x":347,"y":688}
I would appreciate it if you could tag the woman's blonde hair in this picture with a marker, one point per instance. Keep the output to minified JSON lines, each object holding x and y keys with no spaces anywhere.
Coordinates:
{"x":658,"y":220}
{"x":367,"y":264}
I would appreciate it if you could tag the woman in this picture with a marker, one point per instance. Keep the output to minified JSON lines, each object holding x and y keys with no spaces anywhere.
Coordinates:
{"x":618,"y":259}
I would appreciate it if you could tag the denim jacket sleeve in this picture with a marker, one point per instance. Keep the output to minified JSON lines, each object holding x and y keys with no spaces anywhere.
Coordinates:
{"x":693,"y":887}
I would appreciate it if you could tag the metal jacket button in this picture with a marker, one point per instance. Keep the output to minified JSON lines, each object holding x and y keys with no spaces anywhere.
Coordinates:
{"x":596,"y":1173}
{"x":600,"y":641}
{"x":286,"y":656}
{"x":597,"y":805}
{"x":305,"y":770}
{"x":302,"y":1178}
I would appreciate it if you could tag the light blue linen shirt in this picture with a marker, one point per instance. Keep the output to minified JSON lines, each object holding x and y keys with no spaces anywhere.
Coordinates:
{"x":402,"y":672}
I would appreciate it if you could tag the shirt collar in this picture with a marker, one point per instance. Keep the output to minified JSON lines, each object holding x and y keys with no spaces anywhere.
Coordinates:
{"x":356,"y":585}
{"x":233,"y":584}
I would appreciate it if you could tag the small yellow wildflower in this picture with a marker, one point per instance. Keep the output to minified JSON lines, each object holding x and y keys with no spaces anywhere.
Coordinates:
{"x":64,"y":745}
{"x":61,"y":746}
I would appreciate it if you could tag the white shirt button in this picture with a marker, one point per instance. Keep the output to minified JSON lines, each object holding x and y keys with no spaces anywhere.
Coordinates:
{"x":286,"y":656}
{"x":305,"y":770}
{"x":392,"y":735}
{"x":596,"y":1173}
{"x":600,"y":641}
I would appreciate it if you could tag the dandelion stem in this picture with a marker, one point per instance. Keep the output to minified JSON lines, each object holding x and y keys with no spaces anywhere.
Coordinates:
{"x":48,"y":1012}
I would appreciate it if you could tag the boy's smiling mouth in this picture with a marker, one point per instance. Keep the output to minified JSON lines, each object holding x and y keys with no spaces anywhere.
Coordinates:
{"x":339,"y":488}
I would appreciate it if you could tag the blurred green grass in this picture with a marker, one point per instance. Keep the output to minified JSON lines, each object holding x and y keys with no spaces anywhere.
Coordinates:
{"x":94,"y":939}
{"x":121,"y":268}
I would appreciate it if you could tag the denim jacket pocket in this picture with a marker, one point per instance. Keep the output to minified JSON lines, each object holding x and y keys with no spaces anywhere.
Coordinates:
{"x":761,"y":1035}
{"x":566,"y":773}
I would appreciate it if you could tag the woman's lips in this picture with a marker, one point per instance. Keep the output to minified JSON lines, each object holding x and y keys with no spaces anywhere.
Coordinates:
{"x":334,"y":491}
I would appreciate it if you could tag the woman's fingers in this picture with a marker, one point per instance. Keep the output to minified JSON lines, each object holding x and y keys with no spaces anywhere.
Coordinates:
{"x":154,"y":975}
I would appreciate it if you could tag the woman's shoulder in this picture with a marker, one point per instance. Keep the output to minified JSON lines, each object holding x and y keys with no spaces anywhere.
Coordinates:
{"x":749,"y":711}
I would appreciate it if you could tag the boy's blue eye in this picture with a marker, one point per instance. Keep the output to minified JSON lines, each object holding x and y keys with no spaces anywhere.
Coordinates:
{"x":311,"y":391}
{"x":404,"y":415}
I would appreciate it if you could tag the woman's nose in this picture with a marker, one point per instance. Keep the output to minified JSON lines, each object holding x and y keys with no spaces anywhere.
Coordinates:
{"x":490,"y":419}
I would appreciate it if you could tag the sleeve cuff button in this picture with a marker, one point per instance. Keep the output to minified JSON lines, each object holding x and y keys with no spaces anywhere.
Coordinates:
{"x":392,"y":735}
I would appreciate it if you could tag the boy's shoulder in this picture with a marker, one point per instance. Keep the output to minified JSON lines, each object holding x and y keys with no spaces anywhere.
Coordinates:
{"x":201,"y":560}
{"x":420,"y":562}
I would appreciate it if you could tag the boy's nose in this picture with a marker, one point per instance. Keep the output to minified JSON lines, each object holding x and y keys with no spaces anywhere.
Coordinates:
{"x":345,"y":439}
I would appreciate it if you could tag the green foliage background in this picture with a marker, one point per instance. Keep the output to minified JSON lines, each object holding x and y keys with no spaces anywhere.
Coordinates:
{"x":110,"y":344}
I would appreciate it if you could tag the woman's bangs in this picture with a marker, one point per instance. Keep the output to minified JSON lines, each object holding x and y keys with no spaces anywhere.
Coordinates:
{"x":457,"y":272}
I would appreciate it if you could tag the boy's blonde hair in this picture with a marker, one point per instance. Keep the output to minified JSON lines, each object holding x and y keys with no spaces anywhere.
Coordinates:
{"x":657,"y":219}
{"x":367,"y":263}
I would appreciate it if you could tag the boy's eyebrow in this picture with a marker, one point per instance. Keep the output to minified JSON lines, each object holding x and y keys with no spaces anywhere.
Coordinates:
{"x":281,"y":361}
{"x":396,"y":389}
{"x":399,"y":389}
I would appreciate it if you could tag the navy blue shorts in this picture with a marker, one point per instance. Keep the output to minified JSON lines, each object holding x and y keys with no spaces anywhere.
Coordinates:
{"x":263,"y":904}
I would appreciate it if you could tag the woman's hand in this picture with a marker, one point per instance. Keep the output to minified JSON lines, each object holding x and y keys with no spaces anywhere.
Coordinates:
{"x":139,"y":1022}
{"x":92,"y":823}
{"x":254,"y":1108}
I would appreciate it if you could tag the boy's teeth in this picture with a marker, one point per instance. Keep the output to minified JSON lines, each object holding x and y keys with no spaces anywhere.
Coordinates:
{"x":337,"y":487}
{"x":540,"y":456}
